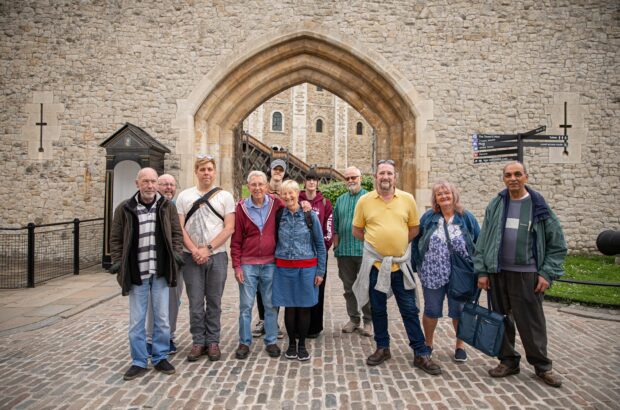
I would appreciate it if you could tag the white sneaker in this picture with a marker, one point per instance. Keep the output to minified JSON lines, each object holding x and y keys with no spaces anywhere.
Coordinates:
{"x":349,"y":327}
{"x":365,"y":330}
{"x":259,"y":329}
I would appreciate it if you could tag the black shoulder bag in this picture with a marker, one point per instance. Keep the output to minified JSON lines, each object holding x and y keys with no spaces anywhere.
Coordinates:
{"x":204,"y":200}
{"x":463,"y":280}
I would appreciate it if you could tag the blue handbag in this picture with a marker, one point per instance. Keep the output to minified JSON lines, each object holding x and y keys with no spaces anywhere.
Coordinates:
{"x":480,"y":327}
{"x":463,"y":281}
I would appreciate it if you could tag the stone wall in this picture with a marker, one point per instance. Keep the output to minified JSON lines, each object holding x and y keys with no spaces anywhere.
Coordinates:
{"x":477,"y":66}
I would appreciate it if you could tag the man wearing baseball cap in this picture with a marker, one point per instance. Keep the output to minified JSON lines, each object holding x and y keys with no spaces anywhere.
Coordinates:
{"x":278,"y":170}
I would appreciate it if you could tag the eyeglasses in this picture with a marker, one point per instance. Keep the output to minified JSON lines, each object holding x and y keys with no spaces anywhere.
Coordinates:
{"x":204,"y":156}
{"x":257,"y":185}
{"x":386,"y":161}
{"x":353,"y":178}
{"x":167,"y":184}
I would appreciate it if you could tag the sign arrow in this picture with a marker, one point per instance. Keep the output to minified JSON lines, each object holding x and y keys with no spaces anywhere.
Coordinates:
{"x":494,"y":159}
{"x":494,"y":144}
{"x":493,"y":153}
{"x":543,"y":144}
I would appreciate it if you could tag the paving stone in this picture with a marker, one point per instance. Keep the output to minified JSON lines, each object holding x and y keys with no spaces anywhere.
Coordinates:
{"x":88,"y":352}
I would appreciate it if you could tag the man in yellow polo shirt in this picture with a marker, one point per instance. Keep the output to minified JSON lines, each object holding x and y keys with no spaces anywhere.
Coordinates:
{"x":387,"y":219}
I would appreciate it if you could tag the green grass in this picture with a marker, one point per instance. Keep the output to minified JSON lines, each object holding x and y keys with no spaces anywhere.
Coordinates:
{"x":590,"y":268}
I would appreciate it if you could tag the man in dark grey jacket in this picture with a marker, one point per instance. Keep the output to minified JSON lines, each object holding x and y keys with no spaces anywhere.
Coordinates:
{"x":145,"y":238}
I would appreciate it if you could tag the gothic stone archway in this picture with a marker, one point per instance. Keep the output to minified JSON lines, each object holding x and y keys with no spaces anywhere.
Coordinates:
{"x":362,"y":78}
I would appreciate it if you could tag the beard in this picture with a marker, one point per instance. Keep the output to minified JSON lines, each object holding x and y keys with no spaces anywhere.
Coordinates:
{"x":385,"y":185}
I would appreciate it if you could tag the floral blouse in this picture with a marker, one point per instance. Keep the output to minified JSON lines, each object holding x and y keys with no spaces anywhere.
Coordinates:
{"x":435,"y":271}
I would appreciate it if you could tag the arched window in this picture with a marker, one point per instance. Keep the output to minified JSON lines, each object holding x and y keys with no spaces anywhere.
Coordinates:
{"x":276,"y":121}
{"x":319,"y":125}
{"x":359,"y":128}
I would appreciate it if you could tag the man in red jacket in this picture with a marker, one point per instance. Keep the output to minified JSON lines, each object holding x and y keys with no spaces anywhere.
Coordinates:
{"x":323,"y":208}
{"x":252,"y":249}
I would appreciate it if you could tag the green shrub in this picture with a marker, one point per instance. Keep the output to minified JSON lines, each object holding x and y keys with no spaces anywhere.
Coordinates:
{"x":334,"y":189}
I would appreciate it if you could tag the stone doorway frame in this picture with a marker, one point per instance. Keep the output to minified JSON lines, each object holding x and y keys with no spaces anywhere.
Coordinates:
{"x":264,"y":67}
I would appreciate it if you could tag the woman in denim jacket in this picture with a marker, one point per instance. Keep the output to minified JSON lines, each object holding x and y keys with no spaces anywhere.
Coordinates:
{"x":431,"y":258}
{"x":300,"y":268}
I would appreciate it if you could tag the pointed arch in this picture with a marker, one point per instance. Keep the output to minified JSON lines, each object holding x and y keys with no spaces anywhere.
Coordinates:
{"x":263,"y":68}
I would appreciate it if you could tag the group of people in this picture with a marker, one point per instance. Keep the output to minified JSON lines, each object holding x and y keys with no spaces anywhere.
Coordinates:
{"x":279,"y":238}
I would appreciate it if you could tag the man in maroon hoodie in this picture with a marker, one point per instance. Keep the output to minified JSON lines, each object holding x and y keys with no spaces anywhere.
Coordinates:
{"x":252,"y":249}
{"x":323,"y":208}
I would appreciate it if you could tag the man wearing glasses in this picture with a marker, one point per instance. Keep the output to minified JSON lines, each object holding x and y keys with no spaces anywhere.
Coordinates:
{"x":348,"y":251}
{"x":252,"y":249}
{"x":277,"y":173}
{"x":167,"y":187}
{"x":387,"y":220}
{"x":207,"y":216}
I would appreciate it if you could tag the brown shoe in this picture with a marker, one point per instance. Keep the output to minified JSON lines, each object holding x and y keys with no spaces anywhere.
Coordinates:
{"x":365,"y":330}
{"x":550,"y":378}
{"x":196,"y":352}
{"x":273,"y":350}
{"x":379,"y":356}
{"x":427,"y":364}
{"x":213,"y":352}
{"x":242,"y":351}
{"x":503,"y":370}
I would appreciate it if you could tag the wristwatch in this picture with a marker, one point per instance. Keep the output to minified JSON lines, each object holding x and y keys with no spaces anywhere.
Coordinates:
{"x":210,"y":248}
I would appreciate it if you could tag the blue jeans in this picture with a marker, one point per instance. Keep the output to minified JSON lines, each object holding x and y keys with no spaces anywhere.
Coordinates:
{"x":157,"y":287}
{"x":261,"y":277}
{"x":405,"y":300}
{"x":433,"y":303}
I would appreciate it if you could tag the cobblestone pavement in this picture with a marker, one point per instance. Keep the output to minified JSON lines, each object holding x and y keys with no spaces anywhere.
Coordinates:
{"x":78,"y":363}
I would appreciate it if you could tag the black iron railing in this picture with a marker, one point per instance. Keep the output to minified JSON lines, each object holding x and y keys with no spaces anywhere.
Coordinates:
{"x":37,"y":253}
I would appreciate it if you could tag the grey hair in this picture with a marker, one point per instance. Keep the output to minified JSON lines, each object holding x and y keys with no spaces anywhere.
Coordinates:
{"x":255,"y":173}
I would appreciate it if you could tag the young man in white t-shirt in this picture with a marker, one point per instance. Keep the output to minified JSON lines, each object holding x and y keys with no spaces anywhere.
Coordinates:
{"x":206,"y":229}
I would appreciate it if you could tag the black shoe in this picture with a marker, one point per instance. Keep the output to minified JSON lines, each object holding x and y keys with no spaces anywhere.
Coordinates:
{"x":133,"y":372}
{"x":302,"y":354}
{"x":291,"y":352}
{"x":165,"y":367}
{"x":313,"y":335}
{"x":273,"y":350}
{"x":242,"y":351}
{"x":173,"y":348}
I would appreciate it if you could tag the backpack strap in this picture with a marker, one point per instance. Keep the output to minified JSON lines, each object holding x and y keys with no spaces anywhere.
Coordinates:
{"x":204,"y":200}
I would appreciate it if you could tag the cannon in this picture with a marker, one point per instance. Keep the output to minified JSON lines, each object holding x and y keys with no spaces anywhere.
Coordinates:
{"x":608,"y":242}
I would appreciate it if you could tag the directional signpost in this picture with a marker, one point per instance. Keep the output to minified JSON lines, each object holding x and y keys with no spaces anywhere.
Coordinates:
{"x":509,"y":147}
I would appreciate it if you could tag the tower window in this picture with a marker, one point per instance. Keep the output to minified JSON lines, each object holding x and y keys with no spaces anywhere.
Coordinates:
{"x":319,"y":125}
{"x":359,"y":128}
{"x":276,"y":121}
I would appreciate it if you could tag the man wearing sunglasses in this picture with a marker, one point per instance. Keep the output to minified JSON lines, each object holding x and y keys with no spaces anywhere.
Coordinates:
{"x":207,"y":215}
{"x":387,"y":219}
{"x":348,"y":251}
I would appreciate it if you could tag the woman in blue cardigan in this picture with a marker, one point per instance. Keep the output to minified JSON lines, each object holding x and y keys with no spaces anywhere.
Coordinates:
{"x":430,"y":256}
